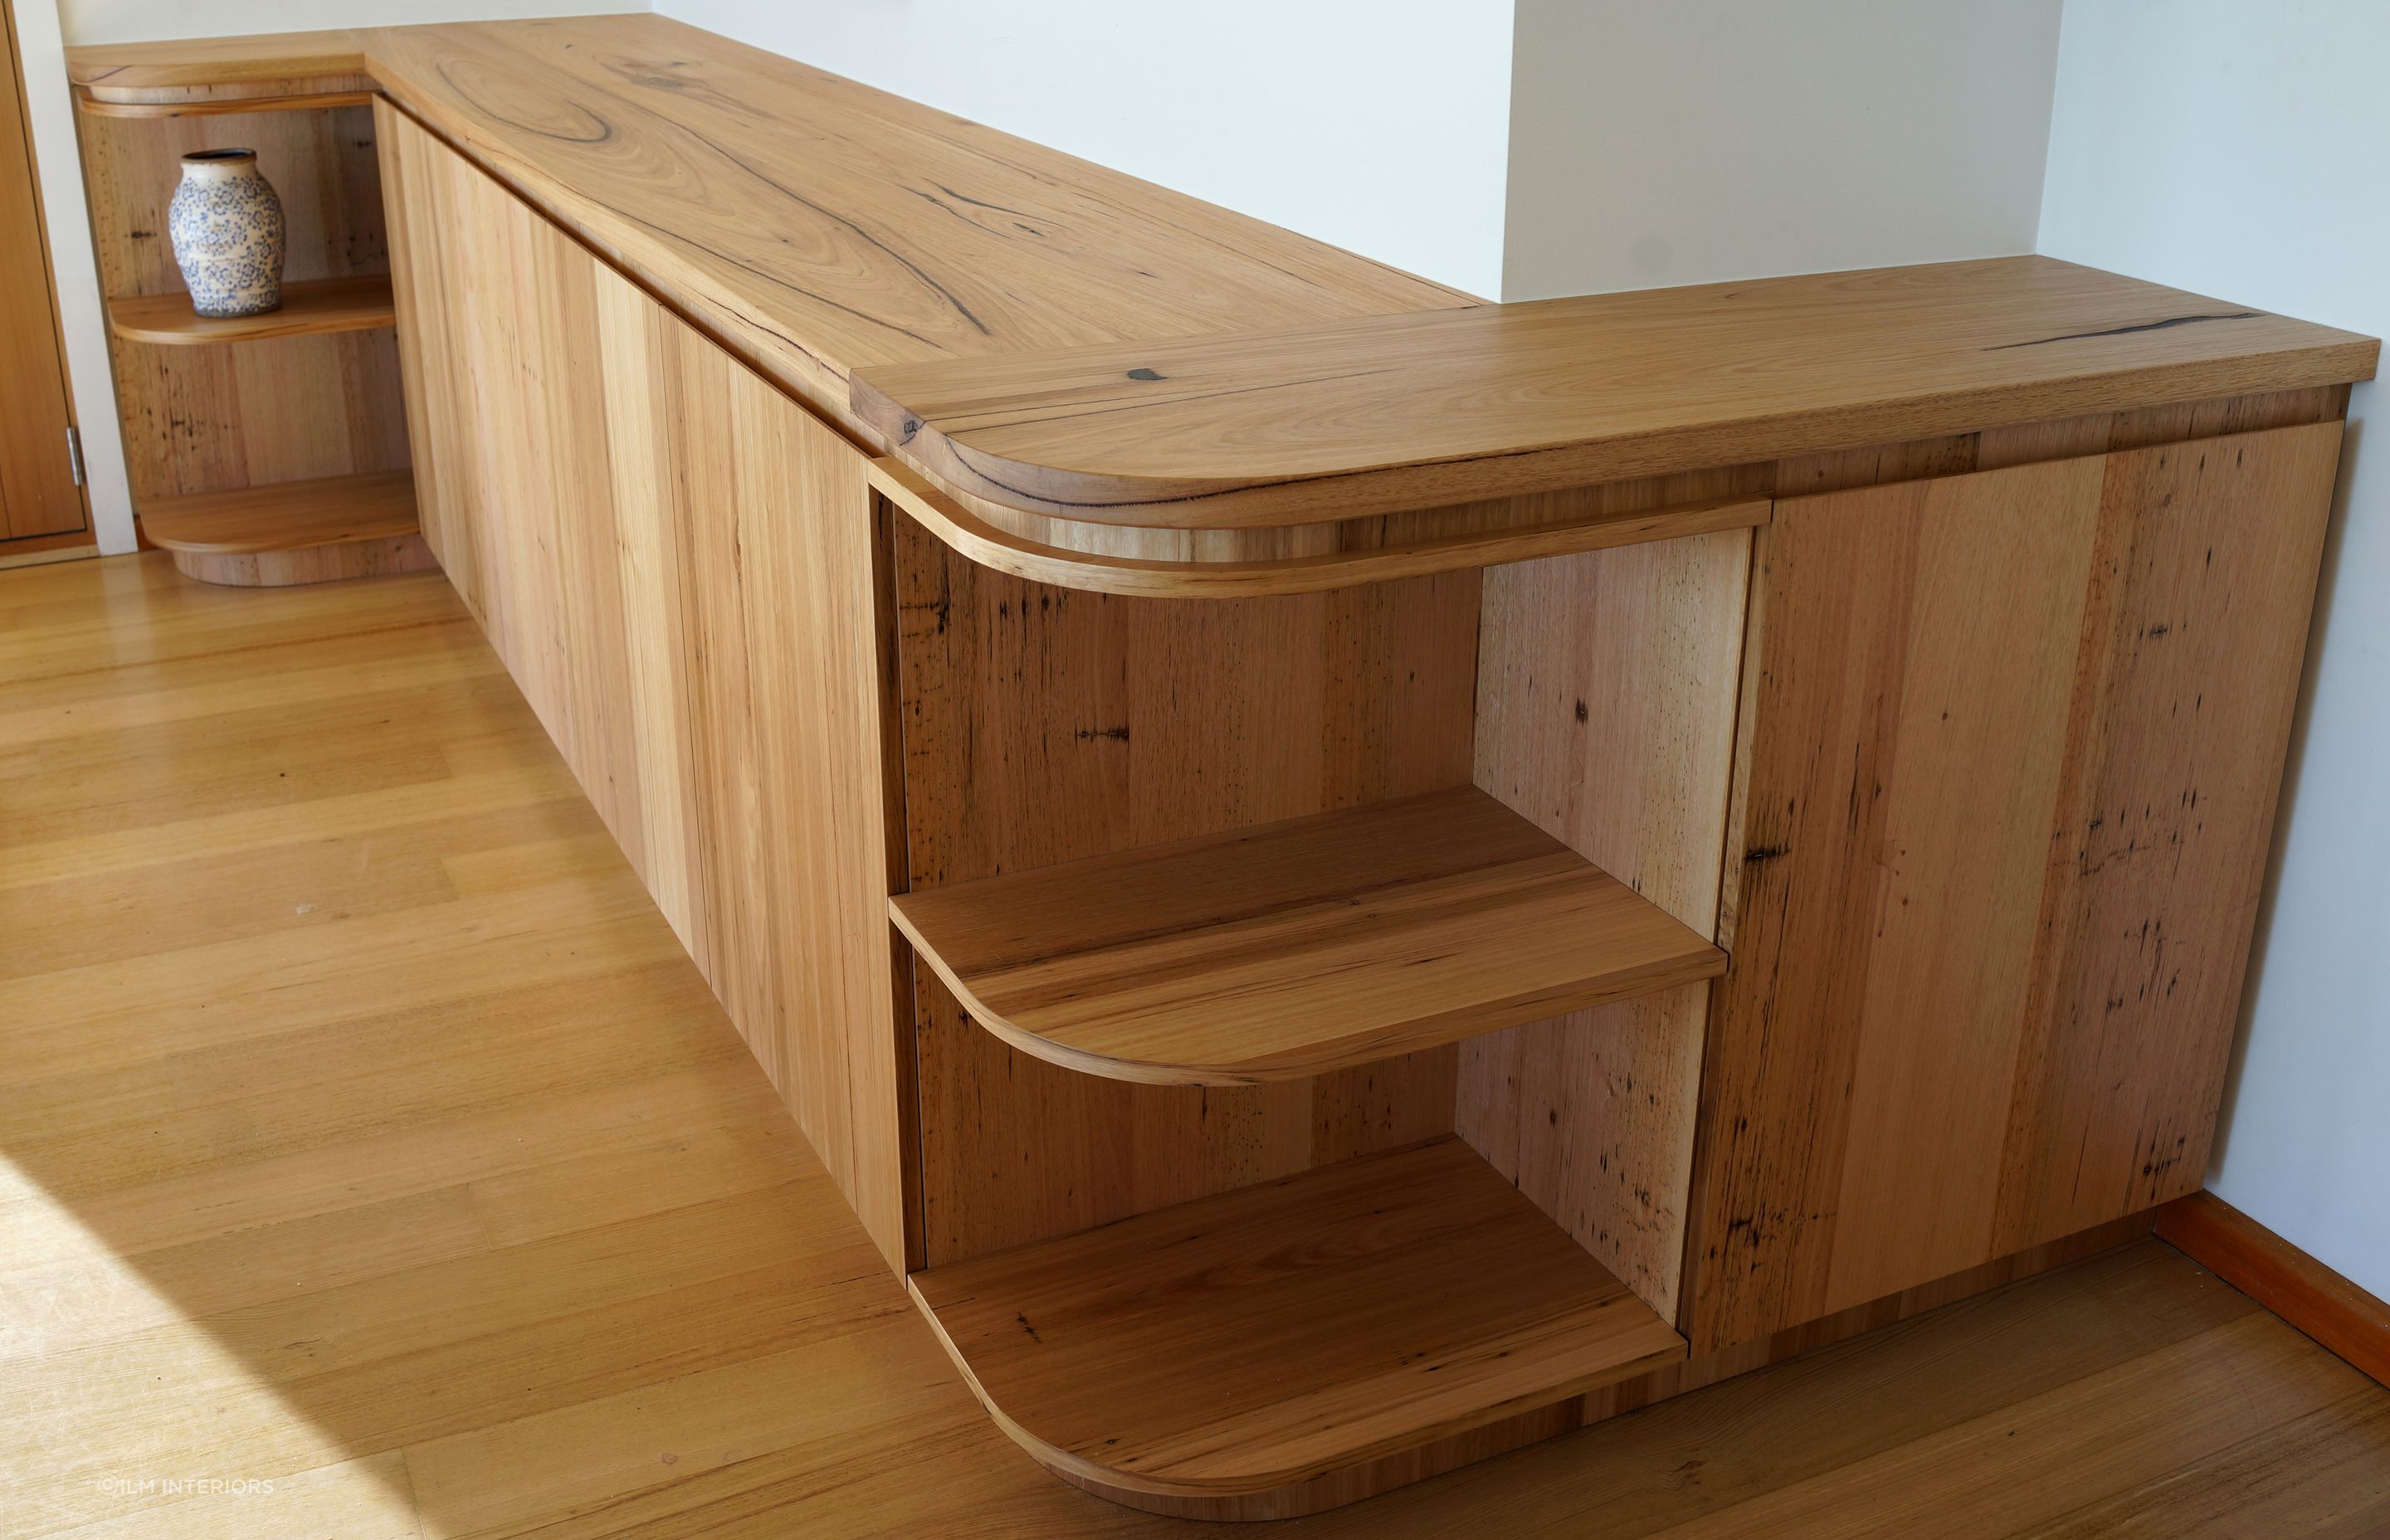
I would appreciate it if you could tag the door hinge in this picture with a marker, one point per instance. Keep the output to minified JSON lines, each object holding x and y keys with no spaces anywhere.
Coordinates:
{"x":74,"y":453}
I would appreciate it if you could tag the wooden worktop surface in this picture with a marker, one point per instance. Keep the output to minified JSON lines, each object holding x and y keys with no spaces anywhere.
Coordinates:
{"x":815,"y":225}
{"x":1045,"y":336}
{"x":1387,"y":412}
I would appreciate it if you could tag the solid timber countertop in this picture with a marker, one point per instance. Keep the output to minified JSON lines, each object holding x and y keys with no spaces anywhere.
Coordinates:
{"x":1046,"y":339}
{"x":813,"y":224}
{"x":1356,"y":418}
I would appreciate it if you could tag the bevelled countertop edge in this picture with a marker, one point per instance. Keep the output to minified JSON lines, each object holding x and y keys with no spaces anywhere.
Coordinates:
{"x":1415,"y":410}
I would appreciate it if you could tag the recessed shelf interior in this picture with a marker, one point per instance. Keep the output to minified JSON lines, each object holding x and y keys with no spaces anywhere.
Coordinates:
{"x":1247,"y":1340}
{"x":331,"y":510}
{"x":310,"y":308}
{"x":1297,"y":947}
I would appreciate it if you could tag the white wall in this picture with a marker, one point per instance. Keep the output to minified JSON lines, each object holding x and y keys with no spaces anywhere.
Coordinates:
{"x":1695,"y":141}
{"x":2245,"y":153}
{"x":1379,"y":125}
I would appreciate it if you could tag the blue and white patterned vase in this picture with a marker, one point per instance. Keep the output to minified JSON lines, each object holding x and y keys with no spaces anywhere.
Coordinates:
{"x":226,"y":226}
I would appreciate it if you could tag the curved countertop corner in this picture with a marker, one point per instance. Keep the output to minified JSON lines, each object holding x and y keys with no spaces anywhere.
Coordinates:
{"x":1391,"y":412}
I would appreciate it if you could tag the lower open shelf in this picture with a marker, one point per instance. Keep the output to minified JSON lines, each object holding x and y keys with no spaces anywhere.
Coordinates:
{"x":1250,"y":1341}
{"x":293,"y":532}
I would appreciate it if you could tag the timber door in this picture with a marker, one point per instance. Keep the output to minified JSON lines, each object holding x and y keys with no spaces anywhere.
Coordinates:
{"x":2011,"y":787}
{"x":41,"y":492}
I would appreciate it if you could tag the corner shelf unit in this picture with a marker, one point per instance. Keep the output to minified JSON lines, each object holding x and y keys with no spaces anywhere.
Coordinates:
{"x":1249,"y":1341}
{"x":1299,"y":947}
{"x":262,"y":450}
{"x":312,"y":308}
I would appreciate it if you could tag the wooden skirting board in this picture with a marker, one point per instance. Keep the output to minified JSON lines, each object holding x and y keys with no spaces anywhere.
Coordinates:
{"x":2284,"y":1279}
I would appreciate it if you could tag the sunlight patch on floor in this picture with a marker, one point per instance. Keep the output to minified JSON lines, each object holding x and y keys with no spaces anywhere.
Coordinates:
{"x":121,"y":1420}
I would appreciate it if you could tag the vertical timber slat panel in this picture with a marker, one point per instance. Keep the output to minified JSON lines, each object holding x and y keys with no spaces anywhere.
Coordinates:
{"x":2017,"y":743}
{"x":2203,"y":576}
{"x":677,"y":565}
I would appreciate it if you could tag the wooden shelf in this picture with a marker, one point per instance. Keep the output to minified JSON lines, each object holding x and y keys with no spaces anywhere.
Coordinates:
{"x":1247,"y":1341}
{"x":1297,"y":947}
{"x":209,"y":107}
{"x":335,"y":511}
{"x":309,"y":309}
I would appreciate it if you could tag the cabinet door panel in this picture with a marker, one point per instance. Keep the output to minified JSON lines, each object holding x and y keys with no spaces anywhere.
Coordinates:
{"x":38,"y":492}
{"x":2015,"y":749}
{"x":682,"y":570}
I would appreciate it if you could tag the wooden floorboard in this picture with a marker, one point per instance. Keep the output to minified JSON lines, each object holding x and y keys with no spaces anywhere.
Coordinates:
{"x":364,"y":1132}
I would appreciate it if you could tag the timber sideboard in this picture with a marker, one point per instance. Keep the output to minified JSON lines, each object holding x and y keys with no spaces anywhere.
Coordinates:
{"x":1346,"y":877}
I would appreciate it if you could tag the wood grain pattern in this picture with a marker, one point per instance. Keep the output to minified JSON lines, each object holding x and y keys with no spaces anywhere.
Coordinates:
{"x":1299,"y":947}
{"x":1042,"y":725}
{"x":40,"y":494}
{"x":1245,"y":1344}
{"x":199,"y":419}
{"x":810,"y":224}
{"x":2304,"y":1292}
{"x":309,"y":308}
{"x":1414,"y":411}
{"x":682,"y":570}
{"x":1607,"y":697}
{"x":2011,"y":790}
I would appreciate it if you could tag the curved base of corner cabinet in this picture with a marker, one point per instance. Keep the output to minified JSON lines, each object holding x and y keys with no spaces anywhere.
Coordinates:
{"x":1287,"y":1347}
{"x":293,"y":533}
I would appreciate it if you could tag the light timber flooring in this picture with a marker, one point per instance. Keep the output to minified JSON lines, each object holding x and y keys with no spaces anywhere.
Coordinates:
{"x":364,"y":1132}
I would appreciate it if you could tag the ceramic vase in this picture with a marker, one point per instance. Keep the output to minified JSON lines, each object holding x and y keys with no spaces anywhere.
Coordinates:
{"x":226,"y":226}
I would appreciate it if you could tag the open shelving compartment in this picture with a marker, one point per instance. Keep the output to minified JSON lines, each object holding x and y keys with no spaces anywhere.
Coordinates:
{"x":1500,"y":976}
{"x":265,"y":449}
{"x":1398,"y":1297}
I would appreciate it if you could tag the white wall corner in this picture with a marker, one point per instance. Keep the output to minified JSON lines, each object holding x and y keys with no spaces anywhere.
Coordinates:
{"x":1704,"y":141}
{"x":49,"y":110}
